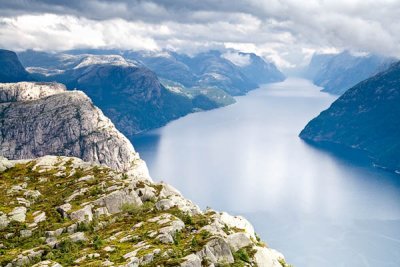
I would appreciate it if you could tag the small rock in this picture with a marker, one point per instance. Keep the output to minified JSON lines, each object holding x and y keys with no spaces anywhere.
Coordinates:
{"x":40,"y":217}
{"x":191,"y":260}
{"x":33,"y":194}
{"x":18,"y":214}
{"x":43,"y":180}
{"x":25,"y":233}
{"x":4,"y":164}
{"x":165,"y":238}
{"x":8,"y":235}
{"x":72,"y":228}
{"x":23,"y":201}
{"x":78,"y":236}
{"x":109,"y":249}
{"x":52,"y":241}
{"x":86,"y":178}
{"x":47,"y":263}
{"x":63,"y":209}
{"x":133,"y":262}
{"x":3,"y":220}
{"x":130,"y":254}
{"x":107,"y":263}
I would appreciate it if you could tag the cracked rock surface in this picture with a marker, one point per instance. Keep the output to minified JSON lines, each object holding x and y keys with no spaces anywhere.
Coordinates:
{"x":38,"y":119}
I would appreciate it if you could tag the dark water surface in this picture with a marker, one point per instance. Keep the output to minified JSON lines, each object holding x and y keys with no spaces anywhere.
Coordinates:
{"x":315,"y":206}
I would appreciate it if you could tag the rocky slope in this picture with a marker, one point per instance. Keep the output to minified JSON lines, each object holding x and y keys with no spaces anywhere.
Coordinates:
{"x":338,"y":72}
{"x":38,"y":119}
{"x":366,"y":117}
{"x":60,"y":211}
{"x":11,"y":69}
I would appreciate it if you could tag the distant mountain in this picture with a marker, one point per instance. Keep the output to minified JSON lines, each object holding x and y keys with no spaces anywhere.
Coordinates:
{"x":127,"y":91}
{"x":131,"y":95}
{"x":215,"y":70}
{"x":11,"y":69}
{"x":210,"y":69}
{"x":338,"y":72}
{"x":166,"y":65}
{"x":366,"y":117}
{"x":256,"y":68}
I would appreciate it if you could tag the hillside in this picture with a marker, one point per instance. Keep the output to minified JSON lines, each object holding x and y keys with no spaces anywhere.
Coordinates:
{"x":365,"y":118}
{"x":338,"y":72}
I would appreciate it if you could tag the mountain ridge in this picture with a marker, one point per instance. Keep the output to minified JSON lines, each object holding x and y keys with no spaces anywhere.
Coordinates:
{"x":366,"y":118}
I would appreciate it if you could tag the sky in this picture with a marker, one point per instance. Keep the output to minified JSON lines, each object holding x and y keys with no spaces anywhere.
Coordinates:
{"x":286,"y":32}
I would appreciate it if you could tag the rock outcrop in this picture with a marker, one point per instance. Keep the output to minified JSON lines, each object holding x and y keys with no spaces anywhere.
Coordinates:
{"x":91,"y":215}
{"x":365,"y":118}
{"x":38,"y":119}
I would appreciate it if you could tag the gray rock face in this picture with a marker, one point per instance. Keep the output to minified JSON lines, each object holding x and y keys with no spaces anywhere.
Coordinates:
{"x":238,"y":240}
{"x":38,"y":119}
{"x":217,"y":251}
{"x":25,"y":91}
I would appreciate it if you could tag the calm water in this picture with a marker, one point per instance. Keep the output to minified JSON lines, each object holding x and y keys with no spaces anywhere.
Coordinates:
{"x":318,"y":208}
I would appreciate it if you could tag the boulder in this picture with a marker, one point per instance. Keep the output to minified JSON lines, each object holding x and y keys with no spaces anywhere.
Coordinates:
{"x":47,"y":263}
{"x":18,"y":214}
{"x":4,"y":164}
{"x":25,"y":233}
{"x":182,"y":203}
{"x":115,"y":200}
{"x":191,"y":260}
{"x":266,"y":257}
{"x":217,"y":251}
{"x":4,"y":221}
{"x":238,"y":240}
{"x":77,"y":237}
{"x":237,"y":222}
{"x":40,"y":217}
{"x":84,"y":214}
{"x":63,"y":209}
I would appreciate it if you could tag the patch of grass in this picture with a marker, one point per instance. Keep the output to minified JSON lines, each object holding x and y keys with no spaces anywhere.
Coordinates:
{"x":97,"y":242}
{"x":242,"y":255}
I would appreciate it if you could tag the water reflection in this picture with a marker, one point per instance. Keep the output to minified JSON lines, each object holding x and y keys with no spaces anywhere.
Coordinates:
{"x":247,"y":158}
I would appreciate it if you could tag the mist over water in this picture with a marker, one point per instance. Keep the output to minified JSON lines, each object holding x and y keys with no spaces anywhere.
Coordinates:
{"x":315,"y":206}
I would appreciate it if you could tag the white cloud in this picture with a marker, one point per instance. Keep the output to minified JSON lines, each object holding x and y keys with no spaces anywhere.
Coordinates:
{"x":287,"y":32}
{"x":237,"y":59}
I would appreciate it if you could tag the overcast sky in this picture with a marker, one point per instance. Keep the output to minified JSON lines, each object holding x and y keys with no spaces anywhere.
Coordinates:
{"x":285,"y":31}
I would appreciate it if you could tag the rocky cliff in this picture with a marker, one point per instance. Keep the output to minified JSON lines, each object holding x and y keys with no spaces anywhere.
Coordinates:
{"x":38,"y":119}
{"x":366,"y":118}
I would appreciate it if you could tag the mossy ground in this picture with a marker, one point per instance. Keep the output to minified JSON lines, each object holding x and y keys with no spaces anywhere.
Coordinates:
{"x":55,"y":186}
